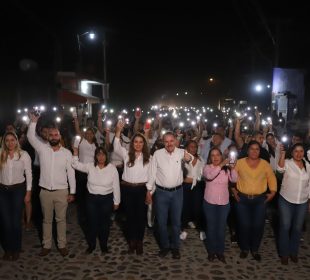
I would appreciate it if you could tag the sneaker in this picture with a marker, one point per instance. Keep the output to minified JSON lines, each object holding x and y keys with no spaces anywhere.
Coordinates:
{"x":202,"y":235}
{"x":183,"y":235}
{"x":191,"y":225}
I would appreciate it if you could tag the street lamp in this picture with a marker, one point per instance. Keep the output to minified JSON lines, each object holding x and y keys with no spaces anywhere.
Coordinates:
{"x":92,"y":36}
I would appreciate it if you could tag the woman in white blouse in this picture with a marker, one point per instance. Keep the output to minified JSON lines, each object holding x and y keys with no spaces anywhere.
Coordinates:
{"x":193,"y":189}
{"x":103,"y":195}
{"x":293,"y":201}
{"x":15,"y":188}
{"x":87,"y":147}
{"x":134,"y":178}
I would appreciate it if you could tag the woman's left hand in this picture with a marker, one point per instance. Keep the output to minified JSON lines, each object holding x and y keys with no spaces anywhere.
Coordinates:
{"x":270,"y":196}
{"x":27,"y":198}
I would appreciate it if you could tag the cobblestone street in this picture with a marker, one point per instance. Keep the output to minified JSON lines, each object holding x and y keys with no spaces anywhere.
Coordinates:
{"x":119,"y":265}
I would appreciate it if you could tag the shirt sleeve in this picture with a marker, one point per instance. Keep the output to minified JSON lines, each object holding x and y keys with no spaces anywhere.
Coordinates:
{"x":116,"y":188}
{"x":32,"y":138}
{"x":76,"y":164}
{"x":71,"y":174}
{"x":119,"y":149}
{"x":28,"y":170}
{"x":233,"y":176}
{"x":271,"y":178}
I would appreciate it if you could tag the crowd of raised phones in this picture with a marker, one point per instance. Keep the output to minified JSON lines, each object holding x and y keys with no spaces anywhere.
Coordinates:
{"x":210,"y":171}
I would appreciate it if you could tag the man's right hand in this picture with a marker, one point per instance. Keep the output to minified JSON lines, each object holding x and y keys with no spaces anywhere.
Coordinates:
{"x":33,"y":118}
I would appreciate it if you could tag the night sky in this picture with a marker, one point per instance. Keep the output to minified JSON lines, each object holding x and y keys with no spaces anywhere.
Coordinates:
{"x":153,"y":53}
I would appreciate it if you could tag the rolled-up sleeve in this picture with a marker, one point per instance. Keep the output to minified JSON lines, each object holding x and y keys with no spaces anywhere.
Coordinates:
{"x":28,"y":170}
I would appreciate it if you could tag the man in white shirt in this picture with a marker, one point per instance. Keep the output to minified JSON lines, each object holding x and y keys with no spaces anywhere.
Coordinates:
{"x":166,"y":176}
{"x":55,"y":172}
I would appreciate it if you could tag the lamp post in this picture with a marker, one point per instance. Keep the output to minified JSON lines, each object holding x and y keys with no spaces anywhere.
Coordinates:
{"x":105,"y":85}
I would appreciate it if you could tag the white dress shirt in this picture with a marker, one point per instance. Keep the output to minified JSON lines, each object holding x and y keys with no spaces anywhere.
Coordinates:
{"x":101,"y":181}
{"x":295,"y":184}
{"x":166,"y":169}
{"x":55,"y":167}
{"x":15,"y":169}
{"x":87,"y":151}
{"x":134,"y":174}
{"x":273,"y":159}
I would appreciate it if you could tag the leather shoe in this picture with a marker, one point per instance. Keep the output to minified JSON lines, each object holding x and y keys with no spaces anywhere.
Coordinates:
{"x":284,"y":260}
{"x":211,"y":257}
{"x":63,"y":251}
{"x":294,"y":259}
{"x":243,"y":254}
{"x":89,"y":250}
{"x":44,"y":252}
{"x":256,"y":256}
{"x":221,"y":258}
{"x":104,"y":250}
{"x":176,"y":254}
{"x":15,"y":256}
{"x":163,"y":252}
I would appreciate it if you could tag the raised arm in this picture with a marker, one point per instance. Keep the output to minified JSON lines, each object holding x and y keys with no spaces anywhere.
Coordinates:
{"x":77,"y":126}
{"x":237,"y":135}
{"x":117,"y":147}
{"x":31,"y":133}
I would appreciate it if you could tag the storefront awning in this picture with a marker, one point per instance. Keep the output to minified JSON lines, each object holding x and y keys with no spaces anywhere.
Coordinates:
{"x":70,"y":97}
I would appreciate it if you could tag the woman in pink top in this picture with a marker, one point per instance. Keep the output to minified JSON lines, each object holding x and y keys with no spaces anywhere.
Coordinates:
{"x":216,"y":205}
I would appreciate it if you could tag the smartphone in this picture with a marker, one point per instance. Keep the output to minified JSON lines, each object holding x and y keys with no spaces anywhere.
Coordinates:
{"x":232,"y":157}
{"x":285,"y":142}
{"x":147,"y":124}
{"x":77,"y":140}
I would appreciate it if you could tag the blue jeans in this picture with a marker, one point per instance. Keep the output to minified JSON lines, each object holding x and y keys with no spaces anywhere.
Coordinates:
{"x":11,"y":209}
{"x":291,"y":221}
{"x":216,"y":217}
{"x":166,"y":203}
{"x":251,"y":222}
{"x":99,"y":210}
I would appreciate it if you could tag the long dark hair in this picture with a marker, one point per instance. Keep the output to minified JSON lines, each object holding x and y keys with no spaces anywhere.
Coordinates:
{"x":192,"y":142}
{"x":98,"y":151}
{"x":132,"y":152}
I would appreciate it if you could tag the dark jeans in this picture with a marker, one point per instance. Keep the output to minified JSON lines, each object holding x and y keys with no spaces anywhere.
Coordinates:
{"x":133,"y":200}
{"x":216,"y":217}
{"x":231,"y":219}
{"x":291,"y":219}
{"x":169,"y":203}
{"x":99,"y":209}
{"x":251,"y":221}
{"x":81,"y":196}
{"x":192,"y":205}
{"x":11,"y":209}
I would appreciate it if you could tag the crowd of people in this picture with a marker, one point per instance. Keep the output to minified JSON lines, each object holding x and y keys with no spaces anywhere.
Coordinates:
{"x":157,"y":173}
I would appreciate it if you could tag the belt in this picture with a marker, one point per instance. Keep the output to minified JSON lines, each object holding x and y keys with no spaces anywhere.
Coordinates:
{"x":169,"y":189}
{"x":125,"y":183}
{"x":48,"y":190}
{"x":250,"y":196}
{"x":11,"y":187}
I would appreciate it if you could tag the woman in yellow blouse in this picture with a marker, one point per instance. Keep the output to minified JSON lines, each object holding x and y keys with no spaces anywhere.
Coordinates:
{"x":255,"y":176}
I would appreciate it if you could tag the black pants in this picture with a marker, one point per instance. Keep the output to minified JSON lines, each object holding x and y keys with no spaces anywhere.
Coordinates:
{"x":81,"y":196}
{"x":133,"y":200}
{"x":192,"y":205}
{"x":99,"y":209}
{"x":11,"y":209}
